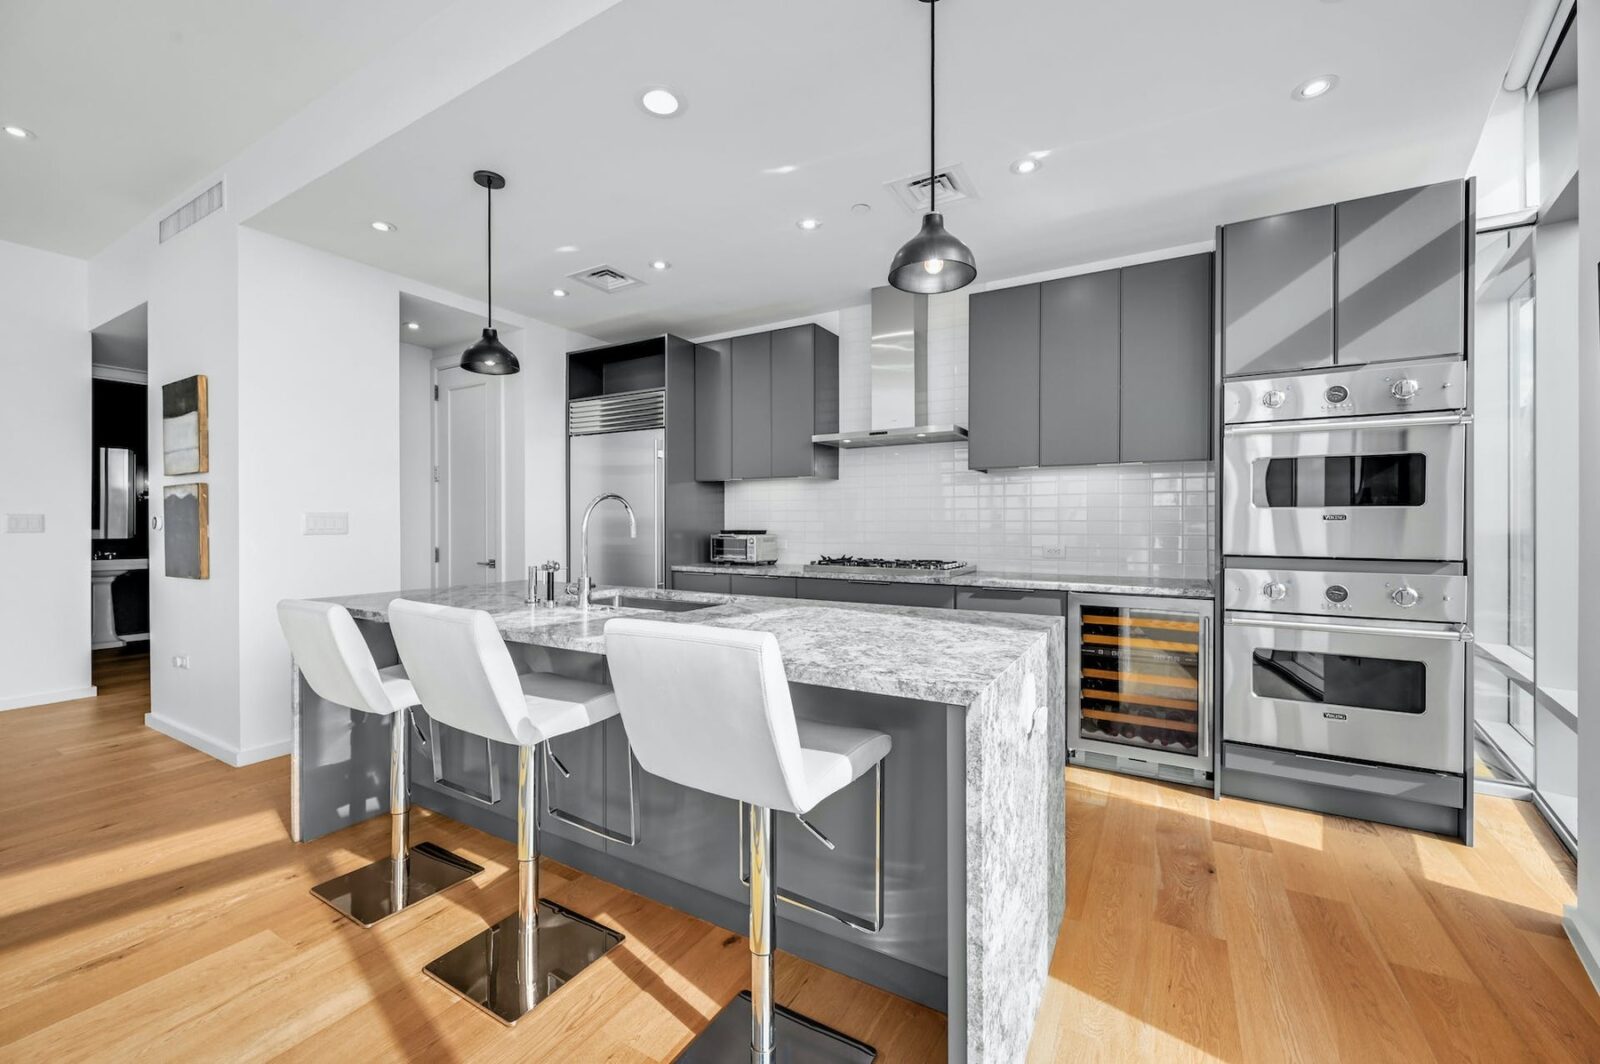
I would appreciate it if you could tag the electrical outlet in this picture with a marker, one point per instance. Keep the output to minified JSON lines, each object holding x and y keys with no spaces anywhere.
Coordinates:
{"x":1052,"y":552}
{"x":180,"y":661}
{"x":24,"y":522}
{"x":325,"y":524}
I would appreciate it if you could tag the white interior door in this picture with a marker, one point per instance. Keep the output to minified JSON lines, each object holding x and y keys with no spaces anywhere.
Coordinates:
{"x":467,"y":445}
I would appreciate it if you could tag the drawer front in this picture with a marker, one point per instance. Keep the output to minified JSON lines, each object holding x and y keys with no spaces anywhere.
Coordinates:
{"x":1012,"y":600}
{"x":712,"y":583}
{"x":881,"y":593}
{"x":771,"y":586}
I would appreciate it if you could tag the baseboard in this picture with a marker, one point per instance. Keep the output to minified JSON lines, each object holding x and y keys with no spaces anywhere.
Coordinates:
{"x":45,"y":698}
{"x":227,"y":753}
{"x":1584,"y":940}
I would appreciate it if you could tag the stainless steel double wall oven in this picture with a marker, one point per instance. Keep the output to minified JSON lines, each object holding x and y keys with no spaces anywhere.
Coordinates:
{"x":1344,"y":519}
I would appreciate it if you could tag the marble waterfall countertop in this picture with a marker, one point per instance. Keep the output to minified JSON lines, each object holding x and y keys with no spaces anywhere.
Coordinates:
{"x":1109,"y":585}
{"x":930,"y":655}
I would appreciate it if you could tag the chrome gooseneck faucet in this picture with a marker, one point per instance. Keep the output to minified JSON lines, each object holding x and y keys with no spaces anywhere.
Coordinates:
{"x":585,"y":585}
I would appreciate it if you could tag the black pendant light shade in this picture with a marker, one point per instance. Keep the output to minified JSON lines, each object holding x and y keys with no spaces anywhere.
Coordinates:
{"x":933,"y":261}
{"x":489,"y":355}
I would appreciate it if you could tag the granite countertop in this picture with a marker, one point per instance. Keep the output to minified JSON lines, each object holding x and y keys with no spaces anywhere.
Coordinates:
{"x":1113,"y":585}
{"x":931,"y":655}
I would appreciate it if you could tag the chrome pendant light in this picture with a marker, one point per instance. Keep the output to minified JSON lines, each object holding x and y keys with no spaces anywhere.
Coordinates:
{"x":933,"y":261}
{"x":489,"y":355}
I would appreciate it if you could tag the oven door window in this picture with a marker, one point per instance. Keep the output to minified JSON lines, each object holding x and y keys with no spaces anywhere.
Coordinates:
{"x":1386,"y":684}
{"x":1342,"y":481}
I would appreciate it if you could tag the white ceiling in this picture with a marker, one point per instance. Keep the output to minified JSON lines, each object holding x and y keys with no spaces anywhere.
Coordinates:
{"x":1163,"y":119}
{"x":439,"y":325}
{"x":124,"y":341}
{"x":131,"y":103}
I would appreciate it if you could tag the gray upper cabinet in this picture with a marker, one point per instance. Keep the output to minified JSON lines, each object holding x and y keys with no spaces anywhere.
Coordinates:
{"x":1003,"y":378}
{"x":1277,"y":292}
{"x":713,"y":404}
{"x":751,"y":416}
{"x":1401,"y":290}
{"x":1166,"y":360}
{"x":758,"y":401}
{"x":1080,"y":369}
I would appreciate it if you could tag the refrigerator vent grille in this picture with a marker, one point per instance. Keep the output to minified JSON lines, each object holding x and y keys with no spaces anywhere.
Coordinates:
{"x":623,"y":412}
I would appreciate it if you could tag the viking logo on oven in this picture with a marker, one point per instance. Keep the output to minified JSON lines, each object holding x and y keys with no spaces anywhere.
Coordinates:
{"x":1335,"y":517}
{"x":1335,"y":716}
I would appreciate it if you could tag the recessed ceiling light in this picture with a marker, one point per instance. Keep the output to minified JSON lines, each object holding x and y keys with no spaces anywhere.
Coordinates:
{"x":809,"y":224}
{"x":861,"y":208}
{"x":567,"y":248}
{"x":413,"y":326}
{"x":384,"y":227}
{"x":559,"y":293}
{"x":1026,"y":165}
{"x":662,"y":103}
{"x":661,"y":264}
{"x":1320,"y":85}
{"x":19,"y":132}
{"x":786,"y":168}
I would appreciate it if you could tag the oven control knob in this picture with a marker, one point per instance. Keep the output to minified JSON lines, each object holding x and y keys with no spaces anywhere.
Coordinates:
{"x":1404,"y":596}
{"x":1405,"y":389}
{"x":1273,"y":398}
{"x":1274,"y":590}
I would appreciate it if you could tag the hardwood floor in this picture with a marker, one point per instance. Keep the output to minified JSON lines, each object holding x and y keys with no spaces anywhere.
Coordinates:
{"x":152,"y":905}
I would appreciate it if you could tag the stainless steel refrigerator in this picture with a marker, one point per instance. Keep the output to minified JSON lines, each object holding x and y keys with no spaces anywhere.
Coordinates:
{"x":632,"y":464}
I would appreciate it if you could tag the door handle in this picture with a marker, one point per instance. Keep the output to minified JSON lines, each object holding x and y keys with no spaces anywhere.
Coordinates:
{"x":490,"y":564}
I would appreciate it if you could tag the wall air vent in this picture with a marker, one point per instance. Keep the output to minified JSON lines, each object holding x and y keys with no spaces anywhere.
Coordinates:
{"x":605,"y":278}
{"x":953,"y":184}
{"x":207,"y":202}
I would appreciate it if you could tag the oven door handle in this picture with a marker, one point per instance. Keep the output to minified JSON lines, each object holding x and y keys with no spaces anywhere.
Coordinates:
{"x":1386,"y":421}
{"x":1461,"y":634}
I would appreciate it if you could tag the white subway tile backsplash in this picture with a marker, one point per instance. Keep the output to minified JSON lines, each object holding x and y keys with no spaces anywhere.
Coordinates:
{"x":923,"y":501}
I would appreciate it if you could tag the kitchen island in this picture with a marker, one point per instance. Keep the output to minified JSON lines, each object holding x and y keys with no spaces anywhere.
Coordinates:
{"x":963,"y":911}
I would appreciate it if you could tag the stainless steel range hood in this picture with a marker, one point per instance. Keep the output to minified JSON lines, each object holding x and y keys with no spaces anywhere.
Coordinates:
{"x":899,"y":378}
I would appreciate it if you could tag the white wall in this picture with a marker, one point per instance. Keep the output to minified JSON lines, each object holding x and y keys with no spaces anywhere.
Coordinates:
{"x":416,"y":466}
{"x":1583,"y":920}
{"x":45,"y":456}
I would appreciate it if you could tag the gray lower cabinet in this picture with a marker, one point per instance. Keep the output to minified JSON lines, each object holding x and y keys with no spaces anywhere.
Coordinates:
{"x":1401,"y":288}
{"x":878,"y":593}
{"x":1165,"y":401}
{"x":1277,"y":292}
{"x":1012,"y":600}
{"x":750,"y":418}
{"x":1080,"y":370}
{"x":1003,"y":401}
{"x":710,"y":583}
{"x":713,"y":405}
{"x":755,"y":584}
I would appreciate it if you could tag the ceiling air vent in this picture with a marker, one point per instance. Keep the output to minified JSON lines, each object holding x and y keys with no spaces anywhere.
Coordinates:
{"x":605,"y":278}
{"x":915,"y":192}
{"x":206,"y":203}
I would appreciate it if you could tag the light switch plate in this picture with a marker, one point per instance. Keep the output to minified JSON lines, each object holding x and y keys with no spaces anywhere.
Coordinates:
{"x":326,"y":524}
{"x":24,"y":522}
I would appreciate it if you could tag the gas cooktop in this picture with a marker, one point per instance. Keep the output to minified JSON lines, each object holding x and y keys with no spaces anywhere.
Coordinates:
{"x":846,"y":563}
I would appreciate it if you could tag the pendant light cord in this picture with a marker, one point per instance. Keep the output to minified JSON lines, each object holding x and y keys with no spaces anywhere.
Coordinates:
{"x":933,"y":106}
{"x":488,"y":286}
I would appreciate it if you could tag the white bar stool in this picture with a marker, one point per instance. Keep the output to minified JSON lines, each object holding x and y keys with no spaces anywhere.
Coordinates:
{"x":467,"y":680}
{"x":334,"y":659}
{"x":709,"y":708}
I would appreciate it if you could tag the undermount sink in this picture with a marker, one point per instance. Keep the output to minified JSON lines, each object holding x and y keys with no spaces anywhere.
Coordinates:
{"x":641,"y":602}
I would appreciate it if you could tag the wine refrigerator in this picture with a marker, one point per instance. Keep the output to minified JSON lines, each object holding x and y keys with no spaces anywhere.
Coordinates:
{"x":1139,"y":685}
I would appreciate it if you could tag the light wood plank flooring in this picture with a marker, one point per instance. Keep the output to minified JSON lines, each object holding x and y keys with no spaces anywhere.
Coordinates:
{"x":152,"y":906}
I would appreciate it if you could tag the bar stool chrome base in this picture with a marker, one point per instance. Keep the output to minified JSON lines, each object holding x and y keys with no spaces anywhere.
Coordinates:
{"x":800,"y":1039}
{"x":368,"y":894}
{"x":485,"y":970}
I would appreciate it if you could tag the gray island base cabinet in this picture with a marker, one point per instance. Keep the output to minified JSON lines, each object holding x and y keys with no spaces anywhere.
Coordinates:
{"x":974,"y":815}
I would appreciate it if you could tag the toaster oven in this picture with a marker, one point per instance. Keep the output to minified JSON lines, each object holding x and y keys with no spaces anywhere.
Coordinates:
{"x":738,"y":547}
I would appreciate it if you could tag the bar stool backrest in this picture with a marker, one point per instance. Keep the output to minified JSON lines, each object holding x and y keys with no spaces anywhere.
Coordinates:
{"x":462,"y":670}
{"x":709,"y":708}
{"x":332,"y":656}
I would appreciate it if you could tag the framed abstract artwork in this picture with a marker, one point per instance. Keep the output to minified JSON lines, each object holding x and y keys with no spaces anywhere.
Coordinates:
{"x":186,"y":516}
{"x":184,"y":431}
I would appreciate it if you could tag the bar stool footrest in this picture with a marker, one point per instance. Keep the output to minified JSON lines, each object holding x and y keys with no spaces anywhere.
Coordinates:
{"x":366,"y":895}
{"x":798,"y":1039}
{"x":483,"y":969}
